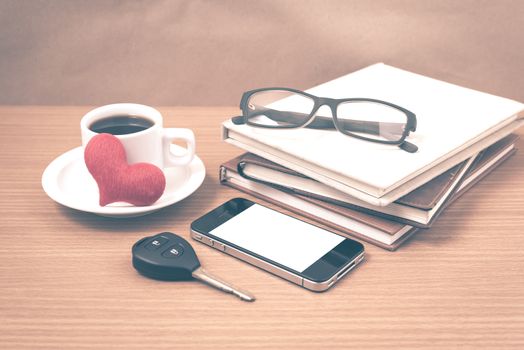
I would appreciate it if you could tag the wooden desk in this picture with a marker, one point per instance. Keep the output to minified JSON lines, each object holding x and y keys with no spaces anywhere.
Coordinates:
{"x":66,"y":279}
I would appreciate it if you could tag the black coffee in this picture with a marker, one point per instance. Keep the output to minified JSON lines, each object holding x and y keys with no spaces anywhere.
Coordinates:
{"x":121,"y":125}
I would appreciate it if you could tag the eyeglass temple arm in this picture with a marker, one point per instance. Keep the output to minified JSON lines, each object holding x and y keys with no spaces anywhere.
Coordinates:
{"x":327,"y":123}
{"x":288,"y":117}
{"x":408,"y":147}
{"x":374,"y":128}
{"x":320,"y":122}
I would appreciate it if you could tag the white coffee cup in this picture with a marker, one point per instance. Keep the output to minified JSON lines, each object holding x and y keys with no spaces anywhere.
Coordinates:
{"x":151,"y":145}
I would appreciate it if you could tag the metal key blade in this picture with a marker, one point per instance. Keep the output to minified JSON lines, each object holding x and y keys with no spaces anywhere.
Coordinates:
{"x":202,"y":275}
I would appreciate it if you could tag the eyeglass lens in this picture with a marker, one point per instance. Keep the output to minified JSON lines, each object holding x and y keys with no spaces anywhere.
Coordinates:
{"x":371,"y":120}
{"x":279,"y":108}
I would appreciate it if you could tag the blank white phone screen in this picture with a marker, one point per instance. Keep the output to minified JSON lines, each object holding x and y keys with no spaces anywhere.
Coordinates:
{"x":278,"y":237}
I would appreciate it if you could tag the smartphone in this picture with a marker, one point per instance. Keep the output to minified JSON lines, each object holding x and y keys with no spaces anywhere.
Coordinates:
{"x":304,"y":254}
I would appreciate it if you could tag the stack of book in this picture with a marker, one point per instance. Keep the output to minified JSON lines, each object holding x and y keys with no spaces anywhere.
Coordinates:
{"x":374,"y":192}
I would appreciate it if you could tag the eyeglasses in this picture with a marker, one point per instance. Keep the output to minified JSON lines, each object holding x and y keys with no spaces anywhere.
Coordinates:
{"x":363,"y":118}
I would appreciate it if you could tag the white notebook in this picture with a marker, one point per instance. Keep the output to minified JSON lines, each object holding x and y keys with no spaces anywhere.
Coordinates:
{"x":453,"y":124}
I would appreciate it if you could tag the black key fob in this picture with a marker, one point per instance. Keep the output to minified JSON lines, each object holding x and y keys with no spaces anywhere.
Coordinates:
{"x":165,"y":256}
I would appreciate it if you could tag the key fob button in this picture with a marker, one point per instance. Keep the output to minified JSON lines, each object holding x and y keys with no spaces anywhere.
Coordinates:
{"x":173,"y":251}
{"x":156,"y":243}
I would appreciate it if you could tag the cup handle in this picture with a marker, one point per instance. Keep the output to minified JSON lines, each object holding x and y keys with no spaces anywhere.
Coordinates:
{"x":170,"y":134}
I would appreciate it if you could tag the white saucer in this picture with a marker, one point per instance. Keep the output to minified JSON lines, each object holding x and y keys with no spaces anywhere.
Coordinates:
{"x":67,"y":181}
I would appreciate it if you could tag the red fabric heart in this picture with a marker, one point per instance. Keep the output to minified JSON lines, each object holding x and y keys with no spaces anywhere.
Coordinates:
{"x":138,"y":184}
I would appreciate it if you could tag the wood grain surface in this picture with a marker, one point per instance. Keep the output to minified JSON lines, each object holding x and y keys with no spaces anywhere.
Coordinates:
{"x":66,"y":279}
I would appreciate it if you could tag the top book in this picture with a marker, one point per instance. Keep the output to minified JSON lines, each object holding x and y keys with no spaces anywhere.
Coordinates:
{"x":453,"y":124}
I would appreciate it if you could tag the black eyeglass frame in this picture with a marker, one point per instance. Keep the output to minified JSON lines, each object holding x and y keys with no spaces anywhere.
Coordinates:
{"x":332,"y":103}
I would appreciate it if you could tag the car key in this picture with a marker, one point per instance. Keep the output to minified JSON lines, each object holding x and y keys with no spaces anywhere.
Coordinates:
{"x":169,"y":257}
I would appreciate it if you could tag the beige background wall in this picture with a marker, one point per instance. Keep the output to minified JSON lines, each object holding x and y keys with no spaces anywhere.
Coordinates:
{"x":208,"y":52}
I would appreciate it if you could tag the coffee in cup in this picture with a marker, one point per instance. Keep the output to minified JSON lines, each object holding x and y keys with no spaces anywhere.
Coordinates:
{"x":121,"y":125}
{"x":140,"y":129}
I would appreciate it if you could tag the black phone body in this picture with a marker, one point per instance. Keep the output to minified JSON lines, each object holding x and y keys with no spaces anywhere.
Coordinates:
{"x":304,"y":254}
